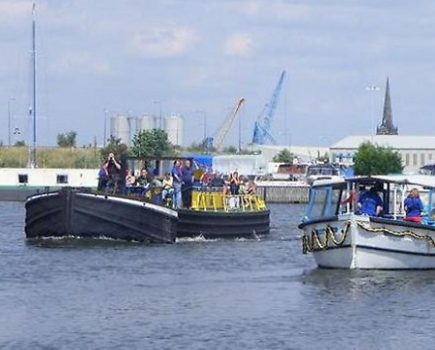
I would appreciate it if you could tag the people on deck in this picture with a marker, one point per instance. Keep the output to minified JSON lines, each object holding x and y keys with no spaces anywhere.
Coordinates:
{"x":130,"y":179}
{"x":143,"y":181}
{"x":103,"y":177}
{"x":413,"y":206}
{"x":177,"y":179}
{"x":167,"y":189}
{"x":113,"y":170}
{"x":251,"y":188}
{"x":370,"y":203}
{"x":187,"y":183}
{"x":234,"y":183}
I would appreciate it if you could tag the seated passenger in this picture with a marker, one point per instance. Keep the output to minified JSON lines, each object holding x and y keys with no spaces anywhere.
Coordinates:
{"x":252,"y":187}
{"x":130,"y":179}
{"x":413,"y":207}
{"x":167,"y":189}
{"x":144,"y":181}
{"x":370,"y":203}
{"x":242,"y":186}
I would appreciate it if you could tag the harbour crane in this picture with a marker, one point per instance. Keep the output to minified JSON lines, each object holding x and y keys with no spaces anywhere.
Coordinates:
{"x":262,"y":132}
{"x":226,"y":127}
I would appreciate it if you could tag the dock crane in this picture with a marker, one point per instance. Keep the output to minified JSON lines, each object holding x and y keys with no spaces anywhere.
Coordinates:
{"x":262,"y":126}
{"x":226,"y":127}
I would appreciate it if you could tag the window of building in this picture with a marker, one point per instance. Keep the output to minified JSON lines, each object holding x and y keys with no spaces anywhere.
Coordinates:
{"x":414,"y":159}
{"x":422,"y":159}
{"x":407,"y":159}
{"x":62,"y":179}
{"x":429,"y":156}
{"x":23,"y":178}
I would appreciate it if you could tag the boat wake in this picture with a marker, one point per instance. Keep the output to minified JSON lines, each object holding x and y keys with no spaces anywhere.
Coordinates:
{"x":78,"y":241}
{"x":199,"y":238}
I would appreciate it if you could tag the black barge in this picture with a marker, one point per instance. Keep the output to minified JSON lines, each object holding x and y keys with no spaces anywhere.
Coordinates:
{"x":73,"y":212}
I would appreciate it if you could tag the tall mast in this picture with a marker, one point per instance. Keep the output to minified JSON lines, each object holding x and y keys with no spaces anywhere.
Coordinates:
{"x":33,"y":151}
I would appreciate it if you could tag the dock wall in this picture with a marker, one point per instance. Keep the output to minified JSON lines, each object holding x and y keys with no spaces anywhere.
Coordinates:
{"x":284,"y":194}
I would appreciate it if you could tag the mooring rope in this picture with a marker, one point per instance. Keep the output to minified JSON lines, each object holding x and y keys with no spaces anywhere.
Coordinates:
{"x":312,"y":241}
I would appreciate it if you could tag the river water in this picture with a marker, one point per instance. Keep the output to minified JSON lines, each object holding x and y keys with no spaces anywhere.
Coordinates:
{"x":222,"y":294}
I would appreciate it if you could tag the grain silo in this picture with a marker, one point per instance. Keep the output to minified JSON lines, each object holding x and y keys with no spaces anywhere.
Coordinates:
{"x":120,"y":128}
{"x":146,"y":122}
{"x":174,"y":129}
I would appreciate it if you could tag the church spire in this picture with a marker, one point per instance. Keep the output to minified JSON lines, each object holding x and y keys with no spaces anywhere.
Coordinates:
{"x":387,"y":127}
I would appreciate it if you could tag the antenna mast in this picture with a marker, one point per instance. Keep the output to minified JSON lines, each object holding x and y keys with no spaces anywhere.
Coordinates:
{"x":32,"y":161}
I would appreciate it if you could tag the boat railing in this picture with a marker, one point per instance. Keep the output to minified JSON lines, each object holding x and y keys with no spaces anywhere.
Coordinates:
{"x":218,"y":201}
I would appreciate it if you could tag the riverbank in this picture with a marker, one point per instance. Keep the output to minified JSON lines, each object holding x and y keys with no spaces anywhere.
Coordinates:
{"x":51,"y":157}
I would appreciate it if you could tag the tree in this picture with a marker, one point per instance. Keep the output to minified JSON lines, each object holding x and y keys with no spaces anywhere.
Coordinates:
{"x":20,"y":143}
{"x":151,"y":143}
{"x":377,"y":160}
{"x":67,"y":140}
{"x":116,"y":147}
{"x":284,"y":156}
{"x":230,"y":150}
{"x":196,"y":147}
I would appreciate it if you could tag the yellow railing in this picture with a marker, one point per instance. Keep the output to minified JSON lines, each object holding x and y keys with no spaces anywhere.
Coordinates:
{"x":217,"y":201}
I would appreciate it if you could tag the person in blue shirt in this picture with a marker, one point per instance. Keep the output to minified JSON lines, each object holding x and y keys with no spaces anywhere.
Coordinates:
{"x":177,"y":180}
{"x":187,"y":183}
{"x":413,"y":206}
{"x":370,"y":203}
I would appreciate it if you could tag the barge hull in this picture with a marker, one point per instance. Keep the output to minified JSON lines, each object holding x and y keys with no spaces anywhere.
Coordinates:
{"x":72,"y":213}
{"x":210,"y":224}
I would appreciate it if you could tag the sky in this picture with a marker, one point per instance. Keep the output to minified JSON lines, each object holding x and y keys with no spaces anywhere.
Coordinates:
{"x":197,"y":57}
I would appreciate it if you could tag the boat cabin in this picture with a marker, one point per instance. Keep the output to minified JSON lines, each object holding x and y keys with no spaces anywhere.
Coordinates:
{"x":332,"y":198}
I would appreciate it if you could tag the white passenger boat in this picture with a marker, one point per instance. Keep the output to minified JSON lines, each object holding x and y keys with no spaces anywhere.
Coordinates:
{"x":339,"y":237}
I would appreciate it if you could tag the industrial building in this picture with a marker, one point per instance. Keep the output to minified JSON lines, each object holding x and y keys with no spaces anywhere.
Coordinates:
{"x":124,"y":128}
{"x":174,"y":128}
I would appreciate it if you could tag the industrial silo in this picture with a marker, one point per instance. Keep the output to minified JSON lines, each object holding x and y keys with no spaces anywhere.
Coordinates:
{"x":146,"y":122}
{"x":120,"y":128}
{"x":174,"y":129}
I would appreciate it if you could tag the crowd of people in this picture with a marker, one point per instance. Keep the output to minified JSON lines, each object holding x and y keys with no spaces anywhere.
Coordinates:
{"x":175,"y":186}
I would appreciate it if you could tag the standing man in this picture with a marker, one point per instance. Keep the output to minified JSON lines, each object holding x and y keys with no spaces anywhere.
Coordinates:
{"x":186,"y":187}
{"x":113,"y":170}
{"x":177,"y":179}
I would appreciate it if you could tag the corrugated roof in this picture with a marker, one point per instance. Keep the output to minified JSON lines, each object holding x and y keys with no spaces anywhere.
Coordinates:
{"x":393,"y":141}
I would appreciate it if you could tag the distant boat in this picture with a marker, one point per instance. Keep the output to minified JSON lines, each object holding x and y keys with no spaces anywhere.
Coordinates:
{"x":339,"y":237}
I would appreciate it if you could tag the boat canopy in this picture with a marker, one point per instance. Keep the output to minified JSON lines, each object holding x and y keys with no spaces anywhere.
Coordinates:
{"x":417,"y":180}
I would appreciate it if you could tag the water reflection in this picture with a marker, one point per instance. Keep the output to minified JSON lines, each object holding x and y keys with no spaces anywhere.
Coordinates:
{"x":355,"y":283}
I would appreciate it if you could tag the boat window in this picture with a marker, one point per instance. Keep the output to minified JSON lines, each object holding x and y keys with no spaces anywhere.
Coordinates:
{"x":62,"y":179}
{"x":323,"y":202}
{"x":23,"y":178}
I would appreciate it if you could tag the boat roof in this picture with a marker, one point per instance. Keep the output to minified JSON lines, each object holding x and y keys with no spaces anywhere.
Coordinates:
{"x":418,"y":180}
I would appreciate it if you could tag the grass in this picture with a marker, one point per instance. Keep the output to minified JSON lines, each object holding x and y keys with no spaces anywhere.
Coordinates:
{"x":83,"y":158}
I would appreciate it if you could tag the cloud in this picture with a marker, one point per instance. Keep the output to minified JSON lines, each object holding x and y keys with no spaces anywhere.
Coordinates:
{"x":9,"y":10}
{"x":163,"y":41}
{"x":277,"y":10}
{"x":239,"y":44}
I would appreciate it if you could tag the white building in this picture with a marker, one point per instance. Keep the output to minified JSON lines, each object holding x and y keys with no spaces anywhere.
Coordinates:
{"x":415,"y":151}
